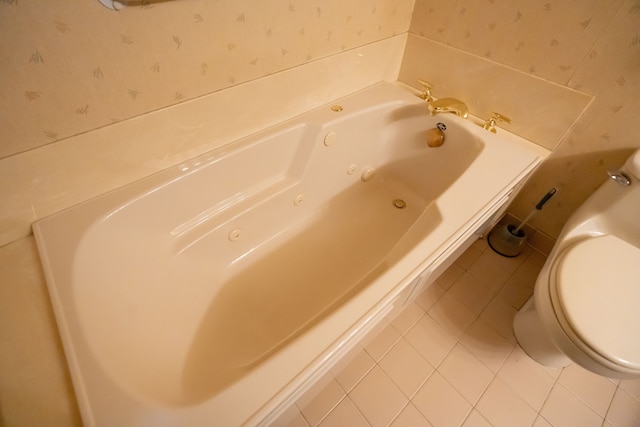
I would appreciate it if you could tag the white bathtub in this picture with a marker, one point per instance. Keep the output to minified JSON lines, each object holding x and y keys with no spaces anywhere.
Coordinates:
{"x":215,"y":292}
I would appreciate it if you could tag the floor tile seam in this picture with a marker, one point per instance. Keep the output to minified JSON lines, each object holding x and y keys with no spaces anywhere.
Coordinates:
{"x":402,"y":334}
{"x":391,"y":378}
{"x":556,"y":381}
{"x":453,"y":295}
{"x":430,"y":421}
{"x":464,"y":332}
{"x":515,"y":393}
{"x":570,"y":390}
{"x":387,"y":350}
{"x":418,"y":351}
{"x":359,"y":379}
{"x":358,"y":409}
{"x":308,"y":421}
{"x":606,"y":414}
{"x":473,"y":404}
{"x":489,"y":324}
{"x":411,"y":325}
{"x":548,"y":392}
{"x":637,"y":399}
{"x":407,"y":403}
{"x":470,"y":350}
{"x":506,"y":279}
{"x":422,"y":383}
{"x":586,"y":405}
{"x":494,"y":375}
{"x":618,"y":387}
{"x":479,"y":413}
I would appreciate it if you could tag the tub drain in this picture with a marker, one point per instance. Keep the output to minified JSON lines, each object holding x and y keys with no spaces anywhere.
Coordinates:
{"x":399,"y":203}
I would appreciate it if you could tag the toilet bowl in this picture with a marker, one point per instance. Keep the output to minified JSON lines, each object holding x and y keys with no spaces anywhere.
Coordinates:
{"x":585,"y":308}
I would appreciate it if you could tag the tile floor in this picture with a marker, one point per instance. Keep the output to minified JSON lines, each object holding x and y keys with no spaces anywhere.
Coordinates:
{"x":450,"y":359}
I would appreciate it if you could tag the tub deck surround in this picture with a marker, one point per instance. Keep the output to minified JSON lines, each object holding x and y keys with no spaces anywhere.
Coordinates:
{"x":220,"y":288}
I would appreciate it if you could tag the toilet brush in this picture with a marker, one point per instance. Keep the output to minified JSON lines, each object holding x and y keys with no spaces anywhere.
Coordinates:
{"x":509,"y":240}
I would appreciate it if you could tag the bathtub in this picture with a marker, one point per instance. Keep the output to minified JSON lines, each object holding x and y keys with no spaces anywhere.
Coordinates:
{"x":217,"y":291}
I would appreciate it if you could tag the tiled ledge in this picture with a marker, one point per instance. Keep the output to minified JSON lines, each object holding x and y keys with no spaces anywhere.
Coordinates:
{"x":541,"y":111}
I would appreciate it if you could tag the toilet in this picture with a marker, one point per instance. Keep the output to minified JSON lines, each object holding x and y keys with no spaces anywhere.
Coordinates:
{"x":585,"y":308}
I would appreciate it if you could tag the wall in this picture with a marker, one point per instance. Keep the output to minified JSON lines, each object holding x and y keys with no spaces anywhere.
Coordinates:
{"x":212,"y":71}
{"x":591,"y":46}
{"x":75,"y":66}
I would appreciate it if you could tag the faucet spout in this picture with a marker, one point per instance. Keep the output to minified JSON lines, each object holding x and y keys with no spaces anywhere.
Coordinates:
{"x":448,"y":105}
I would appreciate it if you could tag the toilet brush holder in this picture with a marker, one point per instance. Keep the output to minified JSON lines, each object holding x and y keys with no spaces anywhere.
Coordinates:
{"x":507,"y":240}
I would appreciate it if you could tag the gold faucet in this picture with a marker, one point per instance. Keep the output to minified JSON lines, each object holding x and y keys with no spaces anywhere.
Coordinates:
{"x":442,"y":105}
{"x":448,"y":105}
{"x":490,"y":124}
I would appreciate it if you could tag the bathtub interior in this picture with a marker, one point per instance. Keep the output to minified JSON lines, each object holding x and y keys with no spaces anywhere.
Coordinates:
{"x":244,"y":272}
{"x":182,"y":284}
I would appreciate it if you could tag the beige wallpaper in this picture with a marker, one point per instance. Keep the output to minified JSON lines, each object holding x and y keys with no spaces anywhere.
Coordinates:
{"x":69,"y":66}
{"x":589,"y":45}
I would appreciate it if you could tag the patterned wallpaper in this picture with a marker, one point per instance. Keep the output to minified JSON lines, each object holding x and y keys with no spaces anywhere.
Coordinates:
{"x":590,"y":45}
{"x":69,"y":66}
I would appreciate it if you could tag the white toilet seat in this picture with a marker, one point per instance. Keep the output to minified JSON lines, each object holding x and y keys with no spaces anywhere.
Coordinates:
{"x":595,"y":292}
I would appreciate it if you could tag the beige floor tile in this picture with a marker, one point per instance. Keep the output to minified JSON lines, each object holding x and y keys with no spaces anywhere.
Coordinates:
{"x":528,"y":271}
{"x":487,"y":345}
{"x":466,"y":373}
{"x":493,"y":270}
{"x":624,"y":410}
{"x":378,"y":398}
{"x":452,"y":315}
{"x":374,"y":332}
{"x":499,"y":315}
{"x":380,"y":344}
{"x":345,"y":414}
{"x":407,"y":317}
{"x":472,"y":293}
{"x":632,"y":387}
{"x":440,"y":402}
{"x":410,"y":417}
{"x":290,"y":418}
{"x":564,"y":409}
{"x":316,"y":403}
{"x":541,"y":422}
{"x":472,"y":254}
{"x":527,"y":378}
{"x":596,"y":391}
{"x":349,"y":374}
{"x":406,"y":367}
{"x":431,"y":340}
{"x":504,"y":408}
{"x":427,"y":298}
{"x":475,"y":419}
{"x":516,"y":292}
{"x":450,"y":275}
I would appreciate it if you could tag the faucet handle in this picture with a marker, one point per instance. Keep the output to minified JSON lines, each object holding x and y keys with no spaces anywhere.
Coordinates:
{"x":426,"y":90}
{"x":490,"y":124}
